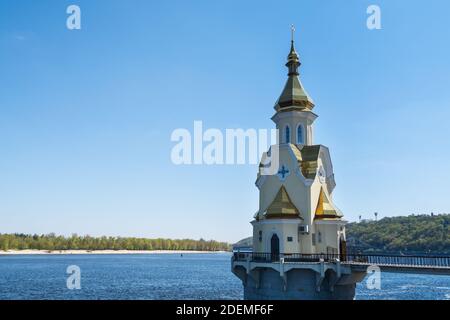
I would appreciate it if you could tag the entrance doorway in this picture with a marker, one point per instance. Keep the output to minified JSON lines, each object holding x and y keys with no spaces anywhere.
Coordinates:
{"x":275,"y":248}
{"x":342,"y":249}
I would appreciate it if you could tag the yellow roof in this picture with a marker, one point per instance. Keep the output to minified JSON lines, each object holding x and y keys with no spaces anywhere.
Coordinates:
{"x":282,"y":206}
{"x":325,"y":209}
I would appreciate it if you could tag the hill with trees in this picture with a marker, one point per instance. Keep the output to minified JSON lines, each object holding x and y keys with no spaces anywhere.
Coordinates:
{"x":52,"y":242}
{"x":407,"y":235}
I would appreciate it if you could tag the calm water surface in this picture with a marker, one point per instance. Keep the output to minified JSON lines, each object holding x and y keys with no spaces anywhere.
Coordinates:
{"x":166,"y":276}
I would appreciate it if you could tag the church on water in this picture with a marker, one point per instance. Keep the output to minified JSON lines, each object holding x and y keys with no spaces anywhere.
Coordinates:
{"x":297,"y":223}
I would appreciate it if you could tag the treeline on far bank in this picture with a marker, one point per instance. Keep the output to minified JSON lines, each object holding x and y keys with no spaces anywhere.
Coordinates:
{"x":75,"y":242}
{"x":421,"y":234}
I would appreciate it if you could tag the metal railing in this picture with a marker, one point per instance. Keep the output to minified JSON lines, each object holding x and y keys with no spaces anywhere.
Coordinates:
{"x":378,"y":259}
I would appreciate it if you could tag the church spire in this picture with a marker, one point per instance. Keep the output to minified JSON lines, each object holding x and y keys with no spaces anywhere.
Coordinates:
{"x":293,"y":95}
{"x":293,"y":59}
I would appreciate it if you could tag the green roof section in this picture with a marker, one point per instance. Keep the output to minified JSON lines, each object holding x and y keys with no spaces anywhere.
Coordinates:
{"x":294,"y":96}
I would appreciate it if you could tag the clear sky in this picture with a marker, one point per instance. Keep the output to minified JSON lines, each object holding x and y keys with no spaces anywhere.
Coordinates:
{"x":86,"y":115}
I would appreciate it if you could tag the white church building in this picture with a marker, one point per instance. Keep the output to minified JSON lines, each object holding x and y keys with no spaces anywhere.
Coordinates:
{"x":297,"y":219}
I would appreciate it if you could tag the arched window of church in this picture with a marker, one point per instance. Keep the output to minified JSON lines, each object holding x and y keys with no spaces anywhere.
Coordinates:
{"x":287,"y":135}
{"x":300,"y":138}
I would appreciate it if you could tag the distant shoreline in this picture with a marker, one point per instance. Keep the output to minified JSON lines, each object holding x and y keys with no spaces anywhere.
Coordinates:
{"x":69,"y":252}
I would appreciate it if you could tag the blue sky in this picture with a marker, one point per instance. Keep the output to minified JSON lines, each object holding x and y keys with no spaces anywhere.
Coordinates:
{"x":86,"y":115}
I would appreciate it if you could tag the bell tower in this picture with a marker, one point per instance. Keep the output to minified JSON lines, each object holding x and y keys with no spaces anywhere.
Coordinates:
{"x":294,"y":117}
